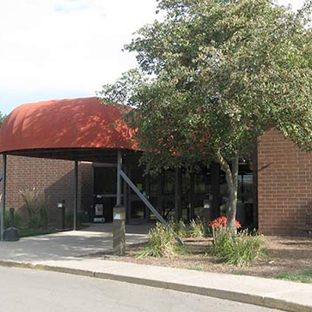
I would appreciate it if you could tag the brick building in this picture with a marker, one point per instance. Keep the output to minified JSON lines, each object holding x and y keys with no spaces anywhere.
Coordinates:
{"x":274,"y":196}
{"x":284,"y":185}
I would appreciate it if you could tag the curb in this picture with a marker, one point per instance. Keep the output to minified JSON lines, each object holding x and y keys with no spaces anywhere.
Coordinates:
{"x":263,"y":301}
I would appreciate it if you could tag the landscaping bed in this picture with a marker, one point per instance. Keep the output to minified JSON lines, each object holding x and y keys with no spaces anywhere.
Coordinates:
{"x":284,"y":255}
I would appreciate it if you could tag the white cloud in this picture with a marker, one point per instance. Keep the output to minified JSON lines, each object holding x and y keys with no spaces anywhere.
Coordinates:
{"x":66,"y":48}
{"x":295,"y":4}
{"x":66,"y":44}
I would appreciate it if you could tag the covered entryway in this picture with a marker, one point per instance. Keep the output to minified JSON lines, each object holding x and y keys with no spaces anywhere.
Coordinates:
{"x":78,"y":130}
{"x":86,"y":130}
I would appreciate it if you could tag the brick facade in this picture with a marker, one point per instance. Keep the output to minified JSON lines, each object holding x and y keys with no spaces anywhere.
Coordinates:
{"x":283,"y":188}
{"x":54,"y":177}
{"x":284,"y":185}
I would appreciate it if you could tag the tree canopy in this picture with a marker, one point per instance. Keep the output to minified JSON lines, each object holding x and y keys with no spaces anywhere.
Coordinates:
{"x":2,"y":118}
{"x":214,"y":75}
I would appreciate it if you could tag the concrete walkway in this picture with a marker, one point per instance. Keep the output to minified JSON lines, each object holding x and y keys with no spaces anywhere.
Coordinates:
{"x":75,"y":253}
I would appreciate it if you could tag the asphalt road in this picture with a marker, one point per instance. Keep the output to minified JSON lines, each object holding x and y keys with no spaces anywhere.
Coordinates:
{"x":26,"y":290}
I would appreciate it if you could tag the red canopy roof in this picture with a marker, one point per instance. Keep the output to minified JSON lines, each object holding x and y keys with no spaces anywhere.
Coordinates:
{"x":70,"y":123}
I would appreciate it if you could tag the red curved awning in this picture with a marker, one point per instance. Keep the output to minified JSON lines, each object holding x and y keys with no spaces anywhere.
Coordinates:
{"x":69,"y":123}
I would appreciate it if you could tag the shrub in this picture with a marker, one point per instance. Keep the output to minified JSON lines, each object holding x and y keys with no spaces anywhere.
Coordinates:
{"x":34,"y":222}
{"x":197,"y":228}
{"x":161,"y":243}
{"x":240,"y":249}
{"x":17,"y":218}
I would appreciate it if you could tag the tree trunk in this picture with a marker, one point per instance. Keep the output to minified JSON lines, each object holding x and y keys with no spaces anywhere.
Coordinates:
{"x":231,"y":174}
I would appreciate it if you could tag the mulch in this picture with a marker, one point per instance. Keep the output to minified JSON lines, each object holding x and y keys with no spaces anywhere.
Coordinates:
{"x":283,"y":254}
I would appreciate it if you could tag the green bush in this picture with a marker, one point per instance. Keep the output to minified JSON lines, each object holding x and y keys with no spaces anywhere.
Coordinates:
{"x":38,"y":220}
{"x":197,"y":228}
{"x":161,"y":243}
{"x":34,"y":222}
{"x":17,"y":218}
{"x":240,"y":249}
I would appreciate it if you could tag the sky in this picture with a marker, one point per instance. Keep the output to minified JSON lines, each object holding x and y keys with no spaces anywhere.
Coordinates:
{"x":55,"y":49}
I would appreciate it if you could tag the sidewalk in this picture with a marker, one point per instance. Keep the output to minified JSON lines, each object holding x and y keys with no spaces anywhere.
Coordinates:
{"x":69,"y":252}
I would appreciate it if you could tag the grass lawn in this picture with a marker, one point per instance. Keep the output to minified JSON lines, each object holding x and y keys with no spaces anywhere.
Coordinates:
{"x":35,"y":232}
{"x":304,"y":276}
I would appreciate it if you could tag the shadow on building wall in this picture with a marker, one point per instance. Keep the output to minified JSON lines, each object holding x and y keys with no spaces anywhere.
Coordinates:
{"x":54,"y":177}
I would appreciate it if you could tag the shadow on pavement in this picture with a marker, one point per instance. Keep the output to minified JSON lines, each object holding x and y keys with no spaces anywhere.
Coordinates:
{"x":70,"y":244}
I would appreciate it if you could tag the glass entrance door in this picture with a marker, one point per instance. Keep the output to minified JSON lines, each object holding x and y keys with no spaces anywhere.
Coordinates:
{"x":104,"y":192}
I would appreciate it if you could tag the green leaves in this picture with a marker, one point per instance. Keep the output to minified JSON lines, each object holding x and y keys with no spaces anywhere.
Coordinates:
{"x":214,"y":75}
{"x":2,"y":118}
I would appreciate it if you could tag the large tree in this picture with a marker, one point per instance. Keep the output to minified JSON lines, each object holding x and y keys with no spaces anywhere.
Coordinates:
{"x":213,"y":75}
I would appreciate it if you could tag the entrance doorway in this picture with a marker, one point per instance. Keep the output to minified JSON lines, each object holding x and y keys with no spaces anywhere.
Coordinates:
{"x":137,"y":212}
{"x":104,"y":192}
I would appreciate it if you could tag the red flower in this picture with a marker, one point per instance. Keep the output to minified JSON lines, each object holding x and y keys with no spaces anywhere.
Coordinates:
{"x":221,"y":222}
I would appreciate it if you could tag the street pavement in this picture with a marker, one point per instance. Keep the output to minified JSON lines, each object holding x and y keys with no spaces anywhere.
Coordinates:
{"x":25,"y":290}
{"x":78,"y":252}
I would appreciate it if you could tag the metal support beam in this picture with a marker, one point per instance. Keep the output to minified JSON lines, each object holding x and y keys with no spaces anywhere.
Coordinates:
{"x":76,"y":196}
{"x":4,"y":165}
{"x":148,"y":204}
{"x":147,"y":190}
{"x":119,"y":165}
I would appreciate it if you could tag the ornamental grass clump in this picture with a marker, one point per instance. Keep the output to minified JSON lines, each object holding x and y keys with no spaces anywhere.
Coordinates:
{"x":197,"y":228}
{"x":239,"y":250}
{"x":179,"y":228}
{"x":35,"y":203}
{"x":161,"y":243}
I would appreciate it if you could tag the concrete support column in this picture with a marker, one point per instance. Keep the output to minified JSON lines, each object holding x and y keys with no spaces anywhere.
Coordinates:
{"x":119,"y":165}
{"x":119,"y":230}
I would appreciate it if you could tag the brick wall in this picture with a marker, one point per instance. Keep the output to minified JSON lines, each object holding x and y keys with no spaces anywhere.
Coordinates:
{"x":54,"y":177}
{"x":284,"y":185}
